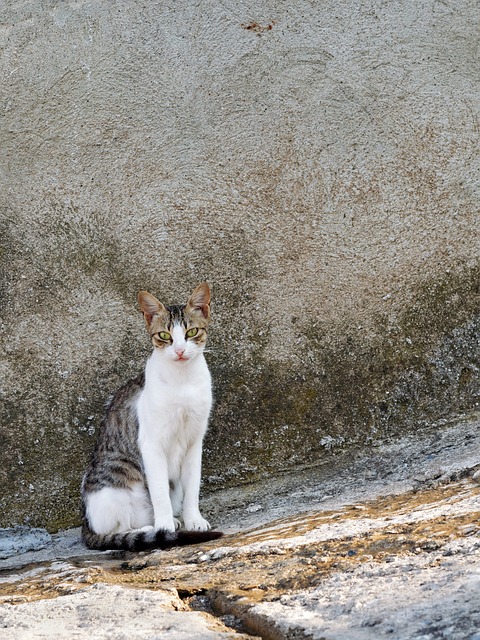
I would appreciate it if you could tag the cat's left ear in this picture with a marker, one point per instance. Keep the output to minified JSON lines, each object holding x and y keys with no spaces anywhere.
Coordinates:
{"x":149,"y":305}
{"x":199,"y":301}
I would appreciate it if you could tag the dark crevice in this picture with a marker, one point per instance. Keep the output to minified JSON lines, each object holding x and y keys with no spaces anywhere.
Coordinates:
{"x":202,"y":601}
{"x":232,"y":608}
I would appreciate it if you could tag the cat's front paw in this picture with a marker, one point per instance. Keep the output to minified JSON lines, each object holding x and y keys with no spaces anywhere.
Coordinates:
{"x":196,"y":523}
{"x":166,"y":525}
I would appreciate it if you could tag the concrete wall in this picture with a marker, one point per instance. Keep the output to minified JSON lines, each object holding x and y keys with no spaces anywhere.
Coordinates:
{"x":316,"y":162}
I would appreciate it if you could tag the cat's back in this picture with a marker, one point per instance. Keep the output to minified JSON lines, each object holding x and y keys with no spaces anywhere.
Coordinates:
{"x":116,"y":445}
{"x":123,"y":400}
{"x":121,"y":421}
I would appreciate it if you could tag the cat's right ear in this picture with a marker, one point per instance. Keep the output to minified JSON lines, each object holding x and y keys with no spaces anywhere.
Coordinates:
{"x":149,"y":305}
{"x":199,"y":301}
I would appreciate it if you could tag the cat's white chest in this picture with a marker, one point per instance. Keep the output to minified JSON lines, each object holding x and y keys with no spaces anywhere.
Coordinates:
{"x":189,"y":397}
{"x":176,"y":406}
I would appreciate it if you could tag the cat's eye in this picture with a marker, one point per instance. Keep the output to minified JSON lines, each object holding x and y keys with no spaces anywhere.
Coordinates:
{"x":191,"y":333}
{"x":165,"y":336}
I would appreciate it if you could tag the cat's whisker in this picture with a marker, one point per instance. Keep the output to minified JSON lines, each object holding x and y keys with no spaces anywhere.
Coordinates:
{"x":216,"y":350}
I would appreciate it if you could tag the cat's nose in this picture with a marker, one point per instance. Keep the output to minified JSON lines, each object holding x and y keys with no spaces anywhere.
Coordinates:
{"x":180,"y":351}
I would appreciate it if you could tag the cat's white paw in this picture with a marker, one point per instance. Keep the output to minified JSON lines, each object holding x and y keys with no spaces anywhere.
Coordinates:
{"x":197,"y":524}
{"x":177,"y":523}
{"x":146,"y":529}
{"x":166,"y":525}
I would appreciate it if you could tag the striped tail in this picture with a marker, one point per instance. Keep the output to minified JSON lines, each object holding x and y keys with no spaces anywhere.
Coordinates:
{"x":138,"y":540}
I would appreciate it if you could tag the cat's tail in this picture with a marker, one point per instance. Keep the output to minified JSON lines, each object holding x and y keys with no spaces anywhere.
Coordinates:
{"x":138,"y":540}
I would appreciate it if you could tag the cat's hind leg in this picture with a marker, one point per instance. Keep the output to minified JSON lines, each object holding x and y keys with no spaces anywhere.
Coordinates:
{"x":107,"y":510}
{"x":140,"y":508}
{"x":176,"y":498}
{"x":115,"y":510}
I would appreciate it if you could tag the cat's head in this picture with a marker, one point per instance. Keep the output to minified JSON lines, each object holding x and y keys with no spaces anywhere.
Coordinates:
{"x":179,"y":332}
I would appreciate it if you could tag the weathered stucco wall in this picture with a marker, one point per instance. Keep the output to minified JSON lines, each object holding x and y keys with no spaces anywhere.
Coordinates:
{"x":317,"y":163}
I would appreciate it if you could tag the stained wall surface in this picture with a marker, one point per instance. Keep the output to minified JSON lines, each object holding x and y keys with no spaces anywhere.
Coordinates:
{"x":316,"y":162}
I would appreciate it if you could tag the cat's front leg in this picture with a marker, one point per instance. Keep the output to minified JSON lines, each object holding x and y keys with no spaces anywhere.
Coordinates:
{"x":190,"y":477}
{"x":156,"y":472}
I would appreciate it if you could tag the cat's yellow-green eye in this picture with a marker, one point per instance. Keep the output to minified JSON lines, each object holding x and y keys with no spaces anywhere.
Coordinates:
{"x":165,"y":336}
{"x":191,"y":333}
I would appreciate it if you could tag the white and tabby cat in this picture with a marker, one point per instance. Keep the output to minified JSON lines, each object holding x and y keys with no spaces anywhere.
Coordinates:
{"x":146,"y":466}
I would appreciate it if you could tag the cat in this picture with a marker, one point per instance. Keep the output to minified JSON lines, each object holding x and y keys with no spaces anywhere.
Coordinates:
{"x":146,"y":465}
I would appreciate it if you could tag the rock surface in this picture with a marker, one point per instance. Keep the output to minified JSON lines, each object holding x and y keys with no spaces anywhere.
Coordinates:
{"x":382,"y":543}
{"x":109,"y":611}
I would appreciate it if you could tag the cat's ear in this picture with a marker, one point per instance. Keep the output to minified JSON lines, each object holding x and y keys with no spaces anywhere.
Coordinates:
{"x":199,"y":301}
{"x":149,"y":305}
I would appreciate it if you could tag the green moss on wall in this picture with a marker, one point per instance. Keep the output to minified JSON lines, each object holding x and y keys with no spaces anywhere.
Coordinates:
{"x":413,"y":370}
